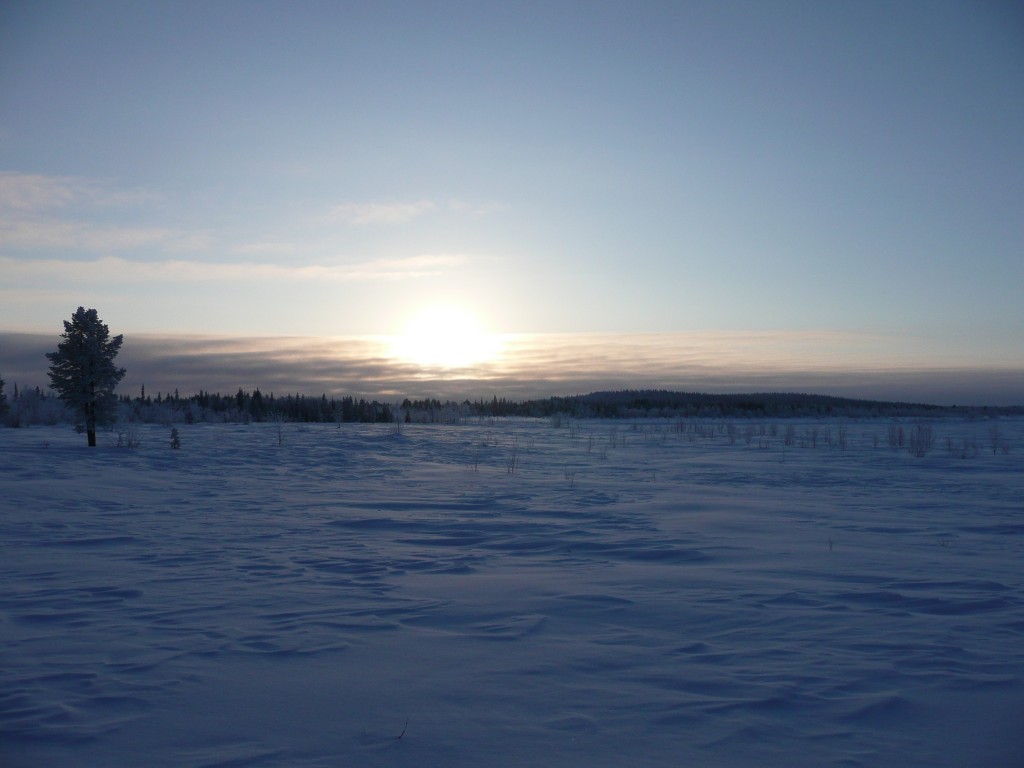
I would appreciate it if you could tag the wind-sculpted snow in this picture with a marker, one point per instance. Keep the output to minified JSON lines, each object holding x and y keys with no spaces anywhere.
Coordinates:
{"x":509,"y":593}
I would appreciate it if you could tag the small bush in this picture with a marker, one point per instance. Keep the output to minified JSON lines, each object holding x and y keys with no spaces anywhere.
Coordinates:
{"x":896,"y":436}
{"x":513,"y":457}
{"x":995,"y":437}
{"x":789,"y":438}
{"x":921,"y":439}
{"x":129,"y":437}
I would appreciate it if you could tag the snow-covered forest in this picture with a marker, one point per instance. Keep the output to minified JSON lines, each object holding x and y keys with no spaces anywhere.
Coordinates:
{"x":35,"y":406}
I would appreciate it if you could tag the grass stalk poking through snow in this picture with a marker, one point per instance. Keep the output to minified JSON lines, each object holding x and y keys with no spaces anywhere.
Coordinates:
{"x":513,"y":457}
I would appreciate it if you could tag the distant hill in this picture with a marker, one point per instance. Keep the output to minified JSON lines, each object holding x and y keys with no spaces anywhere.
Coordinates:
{"x":664,"y":403}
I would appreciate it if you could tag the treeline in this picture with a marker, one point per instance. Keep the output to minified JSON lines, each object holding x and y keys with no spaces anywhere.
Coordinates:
{"x":668,"y":404}
{"x":664,"y":403}
{"x":26,"y":407}
{"x":433,"y":411}
{"x":253,"y":406}
{"x":639,"y":403}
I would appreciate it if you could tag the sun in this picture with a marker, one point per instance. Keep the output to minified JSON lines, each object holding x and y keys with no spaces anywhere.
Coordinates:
{"x":445,"y":337}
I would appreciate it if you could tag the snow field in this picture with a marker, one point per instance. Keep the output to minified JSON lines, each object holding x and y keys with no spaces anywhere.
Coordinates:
{"x":511,"y":592}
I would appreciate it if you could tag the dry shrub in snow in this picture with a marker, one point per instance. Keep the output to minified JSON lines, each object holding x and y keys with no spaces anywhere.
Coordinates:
{"x":129,"y":437}
{"x":921,"y":439}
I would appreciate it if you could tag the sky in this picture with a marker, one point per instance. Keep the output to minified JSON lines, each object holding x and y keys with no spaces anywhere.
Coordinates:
{"x":424,"y":198}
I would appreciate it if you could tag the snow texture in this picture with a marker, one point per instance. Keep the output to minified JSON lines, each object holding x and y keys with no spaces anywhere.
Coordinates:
{"x":511,"y":593}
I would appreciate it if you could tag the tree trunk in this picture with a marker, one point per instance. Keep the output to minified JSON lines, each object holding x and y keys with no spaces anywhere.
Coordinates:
{"x":92,"y":437}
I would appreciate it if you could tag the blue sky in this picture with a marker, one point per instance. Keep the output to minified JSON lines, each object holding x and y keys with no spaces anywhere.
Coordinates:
{"x":708,"y":172}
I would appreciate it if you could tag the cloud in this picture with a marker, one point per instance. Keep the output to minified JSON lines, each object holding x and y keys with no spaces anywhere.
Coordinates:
{"x":399,"y":269}
{"x":34,"y":215}
{"x":380,"y":213}
{"x":50,"y":233}
{"x":115,"y":270}
{"x":359,"y":214}
{"x":26,"y":192}
{"x":476,"y":209}
{"x":535,"y":366}
{"x":68,"y":214}
{"x":267,"y":248}
{"x":32,"y":192}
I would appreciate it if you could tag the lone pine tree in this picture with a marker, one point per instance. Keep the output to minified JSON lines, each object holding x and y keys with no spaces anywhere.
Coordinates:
{"x":82,"y":370}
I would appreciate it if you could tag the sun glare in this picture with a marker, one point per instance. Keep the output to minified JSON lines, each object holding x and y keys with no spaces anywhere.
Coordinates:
{"x":445,"y":337}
